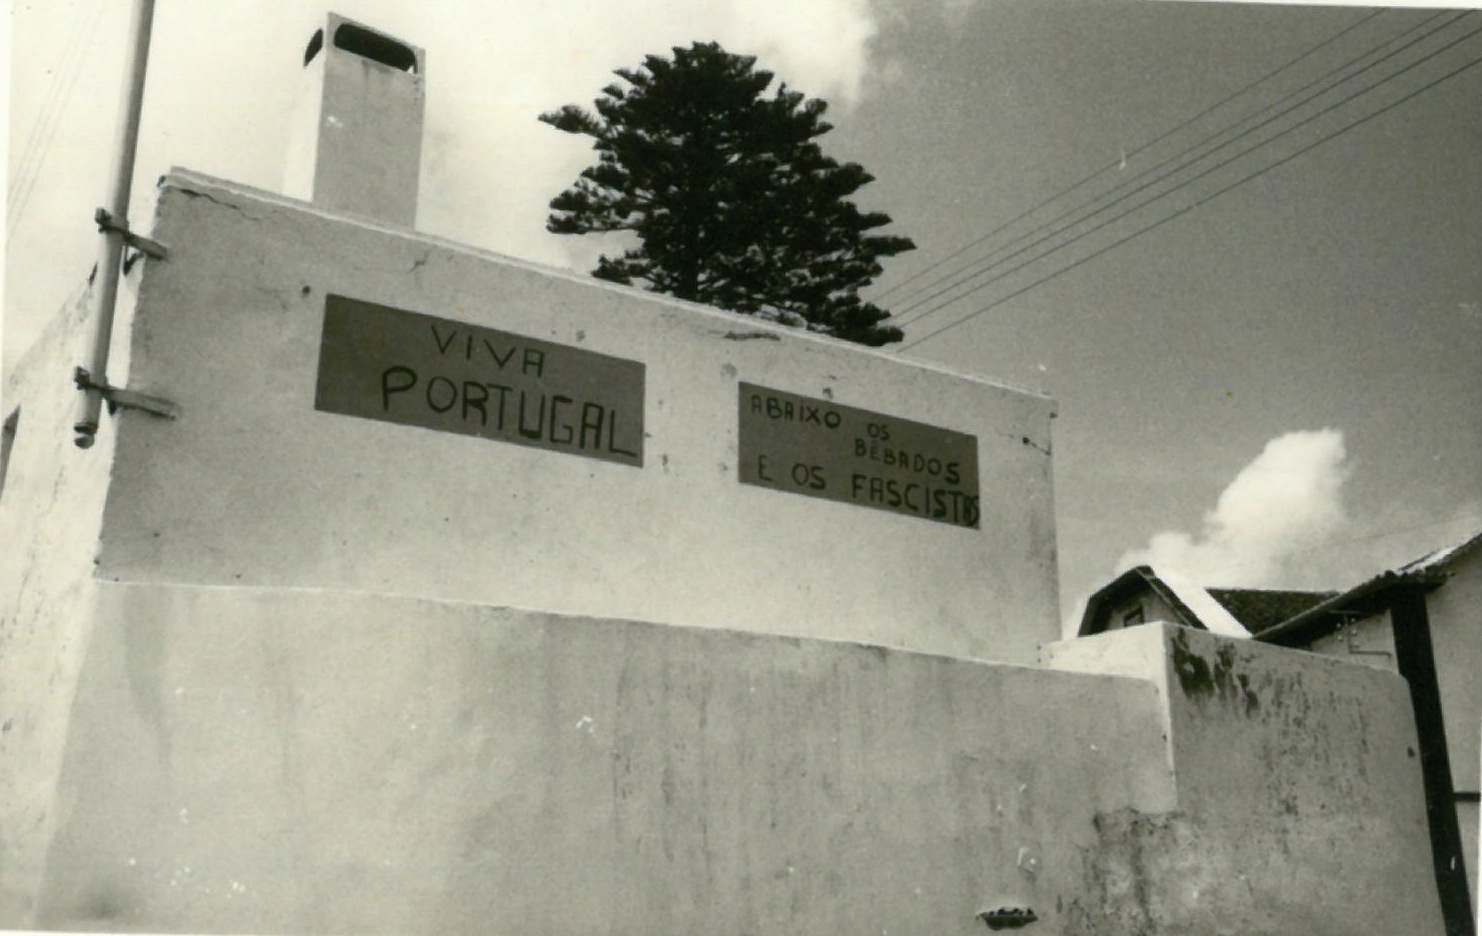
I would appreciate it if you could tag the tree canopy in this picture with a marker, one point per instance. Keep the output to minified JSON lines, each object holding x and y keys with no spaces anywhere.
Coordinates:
{"x":733,"y":202}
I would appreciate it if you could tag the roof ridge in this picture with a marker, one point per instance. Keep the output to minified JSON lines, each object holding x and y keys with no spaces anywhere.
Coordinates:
{"x":1279,"y":591}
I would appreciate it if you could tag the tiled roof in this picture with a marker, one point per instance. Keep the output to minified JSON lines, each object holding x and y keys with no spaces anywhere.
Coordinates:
{"x":1257,"y":609}
{"x":1430,"y":570}
{"x":1441,"y":558}
{"x":1269,"y":614}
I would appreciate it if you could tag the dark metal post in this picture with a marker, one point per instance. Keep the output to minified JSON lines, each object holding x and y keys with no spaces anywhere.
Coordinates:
{"x":1417,"y":663}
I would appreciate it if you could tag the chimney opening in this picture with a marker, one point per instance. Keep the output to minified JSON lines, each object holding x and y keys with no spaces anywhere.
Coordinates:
{"x":315,"y":44}
{"x":374,"y":46}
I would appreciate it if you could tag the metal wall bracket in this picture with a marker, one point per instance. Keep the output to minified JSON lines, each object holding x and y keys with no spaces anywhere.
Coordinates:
{"x":146,"y":246}
{"x":119,"y":398}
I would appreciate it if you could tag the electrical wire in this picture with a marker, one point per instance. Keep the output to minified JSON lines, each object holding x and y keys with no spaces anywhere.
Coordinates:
{"x":1203,"y":200}
{"x":983,"y":270}
{"x":1117,"y":163}
{"x":48,"y":121}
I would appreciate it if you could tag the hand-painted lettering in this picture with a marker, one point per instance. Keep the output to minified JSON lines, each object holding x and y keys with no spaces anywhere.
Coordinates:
{"x":567,"y":432}
{"x":406,"y":379}
{"x":592,"y":416}
{"x":475,"y":395}
{"x":499,"y":359}
{"x":533,"y":430}
{"x":437,"y":338}
{"x":558,"y":419}
{"x":450,"y":397}
{"x":950,"y":506}
{"x":840,"y":453}
{"x":377,"y":362}
{"x":612,"y":445}
{"x":802,"y":412}
{"x":808,"y":476}
{"x":532,"y":360}
{"x":948,"y":471}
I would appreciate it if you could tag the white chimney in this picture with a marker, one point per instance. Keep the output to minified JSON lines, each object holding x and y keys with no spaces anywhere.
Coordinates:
{"x":356,"y":141}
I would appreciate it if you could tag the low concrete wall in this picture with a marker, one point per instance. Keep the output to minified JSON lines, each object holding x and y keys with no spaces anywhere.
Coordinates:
{"x":295,"y":761}
{"x":292,"y":761}
{"x":1300,"y":806}
{"x":254,"y":485}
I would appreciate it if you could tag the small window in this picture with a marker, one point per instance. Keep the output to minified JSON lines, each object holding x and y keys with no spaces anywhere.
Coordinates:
{"x":1132,"y":616}
{"x":7,"y":442}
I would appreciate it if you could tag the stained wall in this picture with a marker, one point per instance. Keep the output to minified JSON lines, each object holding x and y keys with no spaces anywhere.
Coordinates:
{"x":1299,"y":804}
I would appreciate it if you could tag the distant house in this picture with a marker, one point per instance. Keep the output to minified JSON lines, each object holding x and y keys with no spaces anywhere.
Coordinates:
{"x":1422,"y":620}
{"x":1142,"y":594}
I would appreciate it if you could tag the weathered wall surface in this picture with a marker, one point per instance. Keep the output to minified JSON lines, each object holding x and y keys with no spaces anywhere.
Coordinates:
{"x":1455,"y":612}
{"x":253,"y":485}
{"x":1369,"y":640}
{"x":267,"y":760}
{"x":50,"y":514}
{"x":279,"y":760}
{"x":1298,"y":793}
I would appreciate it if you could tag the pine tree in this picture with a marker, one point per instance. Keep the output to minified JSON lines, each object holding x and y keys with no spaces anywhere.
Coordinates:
{"x":732,"y":201}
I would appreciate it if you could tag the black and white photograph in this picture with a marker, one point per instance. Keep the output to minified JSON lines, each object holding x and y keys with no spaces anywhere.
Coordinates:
{"x":672,"y":468}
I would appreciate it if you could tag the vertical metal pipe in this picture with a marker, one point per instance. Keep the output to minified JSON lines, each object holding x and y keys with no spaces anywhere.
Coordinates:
{"x":111,"y":243}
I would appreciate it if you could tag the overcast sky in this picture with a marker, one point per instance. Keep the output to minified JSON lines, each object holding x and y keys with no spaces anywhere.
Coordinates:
{"x":1274,"y":386}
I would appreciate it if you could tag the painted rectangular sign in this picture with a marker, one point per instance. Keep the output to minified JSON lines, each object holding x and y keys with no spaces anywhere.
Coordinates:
{"x":818,"y":448}
{"x":417,"y":370}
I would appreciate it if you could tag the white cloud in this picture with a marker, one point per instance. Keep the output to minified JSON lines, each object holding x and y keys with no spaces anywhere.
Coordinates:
{"x":1287,"y":502}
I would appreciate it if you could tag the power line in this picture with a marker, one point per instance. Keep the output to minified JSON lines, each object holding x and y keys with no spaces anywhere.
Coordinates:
{"x":1185,"y":210}
{"x":1200,"y":175}
{"x":53,"y":93}
{"x":1185,"y":164}
{"x":1118,"y":163}
{"x":1339,"y":544}
{"x":1185,"y":183}
{"x":1176,"y":169}
{"x":48,"y":121}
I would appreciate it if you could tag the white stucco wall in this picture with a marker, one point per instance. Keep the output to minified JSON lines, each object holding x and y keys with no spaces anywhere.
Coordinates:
{"x":253,"y":485}
{"x":1369,"y":640}
{"x":50,"y":517}
{"x":305,"y":761}
{"x":312,"y":761}
{"x":1299,"y":801}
